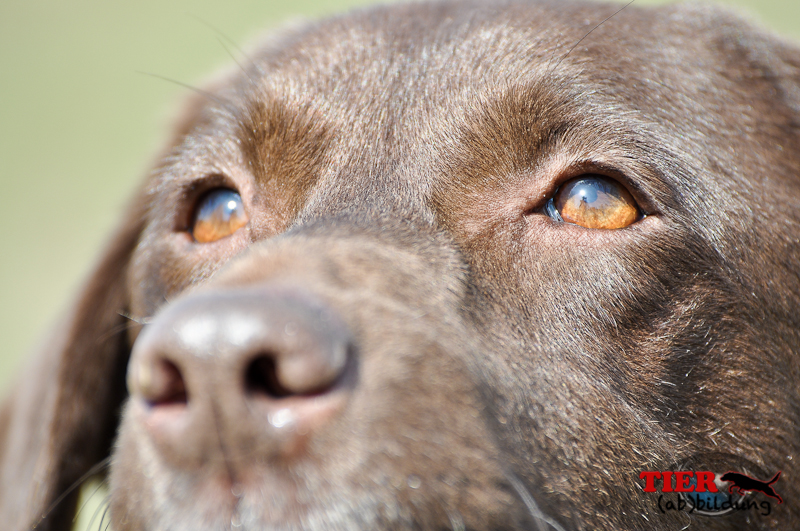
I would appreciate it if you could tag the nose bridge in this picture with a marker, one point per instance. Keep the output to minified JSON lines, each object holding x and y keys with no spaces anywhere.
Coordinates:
{"x":238,"y":319}
{"x":377,"y":174}
{"x":269,"y":352}
{"x":405,"y":258}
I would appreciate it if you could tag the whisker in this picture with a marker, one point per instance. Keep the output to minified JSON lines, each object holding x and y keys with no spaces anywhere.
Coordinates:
{"x":210,"y":96}
{"x":91,"y":472}
{"x":456,"y":522}
{"x":104,"y":505}
{"x":614,"y":14}
{"x":233,"y":58}
{"x":116,"y":330}
{"x":86,"y":501}
{"x":124,"y":326}
{"x":542,"y":521}
{"x":139,"y":320}
{"x":223,"y":36}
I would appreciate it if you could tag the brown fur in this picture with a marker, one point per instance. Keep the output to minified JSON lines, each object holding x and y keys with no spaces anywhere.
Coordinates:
{"x":508,"y":372}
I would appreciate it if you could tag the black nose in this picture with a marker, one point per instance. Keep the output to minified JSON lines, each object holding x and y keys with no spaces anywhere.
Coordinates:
{"x":240,"y":371}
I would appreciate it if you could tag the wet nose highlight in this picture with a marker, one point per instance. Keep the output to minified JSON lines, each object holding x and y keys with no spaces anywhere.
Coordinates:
{"x":235,"y":352}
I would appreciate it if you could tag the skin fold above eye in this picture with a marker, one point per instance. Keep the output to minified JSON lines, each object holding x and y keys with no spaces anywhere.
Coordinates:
{"x":595,"y":202}
{"x":219,"y":213}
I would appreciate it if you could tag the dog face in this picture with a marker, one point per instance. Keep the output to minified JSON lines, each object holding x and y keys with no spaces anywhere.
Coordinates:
{"x":443,"y":266}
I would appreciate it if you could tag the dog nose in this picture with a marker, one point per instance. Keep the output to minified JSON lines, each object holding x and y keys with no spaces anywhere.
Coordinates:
{"x":244,"y":371}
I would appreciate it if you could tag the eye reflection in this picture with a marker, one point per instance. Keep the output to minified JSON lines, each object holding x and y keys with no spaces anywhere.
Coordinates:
{"x":594,"y":202}
{"x":219,"y":213}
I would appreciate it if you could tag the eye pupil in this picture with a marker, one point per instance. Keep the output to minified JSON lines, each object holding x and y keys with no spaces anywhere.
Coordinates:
{"x":219,"y":213}
{"x":594,"y":202}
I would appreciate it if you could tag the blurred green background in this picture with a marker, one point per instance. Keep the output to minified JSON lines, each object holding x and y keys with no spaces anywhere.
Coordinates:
{"x":79,"y":126}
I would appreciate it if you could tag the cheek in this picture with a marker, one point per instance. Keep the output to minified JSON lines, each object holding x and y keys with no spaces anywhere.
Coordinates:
{"x":565,"y":290}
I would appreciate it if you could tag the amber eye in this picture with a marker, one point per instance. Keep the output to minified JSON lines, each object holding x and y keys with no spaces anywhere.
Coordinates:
{"x":219,"y":213}
{"x":594,"y":202}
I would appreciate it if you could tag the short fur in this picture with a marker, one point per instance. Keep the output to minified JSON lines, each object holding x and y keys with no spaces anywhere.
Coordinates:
{"x":510,"y":372}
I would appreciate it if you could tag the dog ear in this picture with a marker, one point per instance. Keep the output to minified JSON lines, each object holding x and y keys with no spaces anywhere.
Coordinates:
{"x":61,"y":417}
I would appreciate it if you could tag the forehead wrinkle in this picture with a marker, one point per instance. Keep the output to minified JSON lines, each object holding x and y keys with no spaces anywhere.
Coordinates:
{"x":385,"y":90}
{"x":375,"y":101}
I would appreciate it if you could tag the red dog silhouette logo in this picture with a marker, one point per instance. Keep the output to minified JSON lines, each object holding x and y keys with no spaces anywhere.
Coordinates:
{"x":743,"y":484}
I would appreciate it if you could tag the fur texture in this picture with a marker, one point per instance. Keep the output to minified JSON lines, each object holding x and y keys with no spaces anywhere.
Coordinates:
{"x":503,"y":370}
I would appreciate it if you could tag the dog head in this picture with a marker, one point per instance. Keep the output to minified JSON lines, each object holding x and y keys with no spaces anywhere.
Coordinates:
{"x":442,"y":266}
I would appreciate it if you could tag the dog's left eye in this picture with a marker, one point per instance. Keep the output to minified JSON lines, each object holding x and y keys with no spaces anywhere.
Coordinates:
{"x":594,"y":202}
{"x":219,"y":213}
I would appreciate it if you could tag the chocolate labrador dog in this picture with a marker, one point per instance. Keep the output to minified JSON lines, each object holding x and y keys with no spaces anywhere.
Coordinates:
{"x":445,"y":266}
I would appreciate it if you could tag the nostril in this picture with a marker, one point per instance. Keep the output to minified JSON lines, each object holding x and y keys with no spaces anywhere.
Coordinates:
{"x":261,"y":378}
{"x":174,"y":390}
{"x":160,"y":383}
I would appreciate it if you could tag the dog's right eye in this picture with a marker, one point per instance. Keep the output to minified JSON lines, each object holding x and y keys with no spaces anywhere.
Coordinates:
{"x":594,"y":202}
{"x":219,"y":213}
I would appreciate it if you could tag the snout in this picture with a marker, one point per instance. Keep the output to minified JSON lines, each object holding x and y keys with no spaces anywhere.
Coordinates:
{"x":225,"y":373}
{"x":319,"y":381}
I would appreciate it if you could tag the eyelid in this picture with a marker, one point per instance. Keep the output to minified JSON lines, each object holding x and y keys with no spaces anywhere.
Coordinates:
{"x":630,"y":180}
